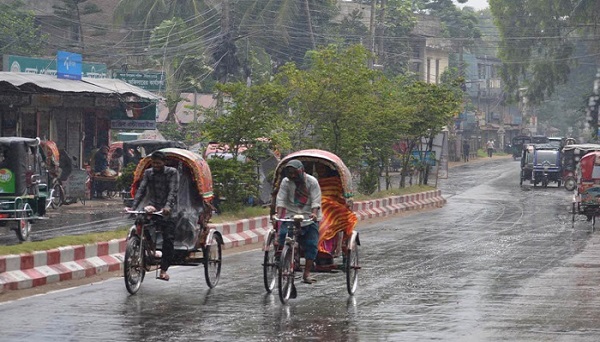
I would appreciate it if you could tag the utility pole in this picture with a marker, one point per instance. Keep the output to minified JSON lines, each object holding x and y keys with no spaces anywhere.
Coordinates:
{"x":372,"y":30}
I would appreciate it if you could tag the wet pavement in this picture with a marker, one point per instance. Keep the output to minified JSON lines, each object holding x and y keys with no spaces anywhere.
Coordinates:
{"x":499,"y":262}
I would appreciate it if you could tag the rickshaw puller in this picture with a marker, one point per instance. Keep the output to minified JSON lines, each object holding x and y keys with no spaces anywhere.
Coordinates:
{"x":300,"y":194}
{"x":159,"y":184}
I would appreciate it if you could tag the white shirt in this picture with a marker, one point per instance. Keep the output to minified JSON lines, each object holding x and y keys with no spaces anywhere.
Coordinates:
{"x":285,"y":197}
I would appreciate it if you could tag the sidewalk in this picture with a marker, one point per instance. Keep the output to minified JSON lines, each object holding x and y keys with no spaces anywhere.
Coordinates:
{"x":76,"y":262}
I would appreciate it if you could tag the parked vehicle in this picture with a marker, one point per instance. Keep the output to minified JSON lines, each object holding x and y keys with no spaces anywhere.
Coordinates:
{"x":571,"y":155}
{"x":195,"y":242}
{"x":23,"y":190}
{"x":587,"y":199}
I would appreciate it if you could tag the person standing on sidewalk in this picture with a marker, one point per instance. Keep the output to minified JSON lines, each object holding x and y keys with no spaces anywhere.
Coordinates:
{"x":490,"y":148}
{"x":466,"y":150}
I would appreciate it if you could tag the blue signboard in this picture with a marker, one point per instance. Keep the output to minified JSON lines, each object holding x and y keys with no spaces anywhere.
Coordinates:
{"x":429,"y":157}
{"x":68,"y":65}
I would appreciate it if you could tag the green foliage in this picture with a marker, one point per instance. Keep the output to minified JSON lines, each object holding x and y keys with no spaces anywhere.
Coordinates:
{"x":234,"y":182}
{"x":189,"y":134}
{"x":538,"y":42}
{"x":19,"y":34}
{"x":125,"y":180}
{"x":69,"y":16}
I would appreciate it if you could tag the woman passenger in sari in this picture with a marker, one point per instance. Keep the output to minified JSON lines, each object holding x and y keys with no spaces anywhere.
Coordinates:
{"x":336,"y":209}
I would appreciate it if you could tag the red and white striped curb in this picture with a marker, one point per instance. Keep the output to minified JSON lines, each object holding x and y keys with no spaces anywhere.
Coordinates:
{"x":76,"y":262}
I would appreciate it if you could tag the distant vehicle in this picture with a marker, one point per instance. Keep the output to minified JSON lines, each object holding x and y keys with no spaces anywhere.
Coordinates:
{"x":539,"y":139}
{"x":517,"y":145}
{"x":559,"y":142}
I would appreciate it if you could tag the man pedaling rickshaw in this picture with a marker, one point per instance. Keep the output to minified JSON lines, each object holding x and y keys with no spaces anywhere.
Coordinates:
{"x":300,"y":194}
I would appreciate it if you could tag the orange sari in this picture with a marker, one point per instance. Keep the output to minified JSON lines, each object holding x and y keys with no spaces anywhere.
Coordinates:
{"x":337,"y":216}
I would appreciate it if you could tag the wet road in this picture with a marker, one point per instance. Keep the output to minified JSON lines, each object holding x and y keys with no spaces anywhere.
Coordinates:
{"x":497,"y":263}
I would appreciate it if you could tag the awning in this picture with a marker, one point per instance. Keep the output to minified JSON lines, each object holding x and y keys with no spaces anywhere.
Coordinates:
{"x":86,"y":85}
{"x":121,"y":87}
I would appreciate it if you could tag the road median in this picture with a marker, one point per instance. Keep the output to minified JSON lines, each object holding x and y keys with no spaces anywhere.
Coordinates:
{"x":29,"y":270}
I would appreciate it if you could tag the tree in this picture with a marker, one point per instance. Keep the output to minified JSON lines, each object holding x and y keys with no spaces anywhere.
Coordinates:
{"x":69,"y":14}
{"x":181,"y":58}
{"x":538,"y":41}
{"x":432,"y":108}
{"x":19,"y":34}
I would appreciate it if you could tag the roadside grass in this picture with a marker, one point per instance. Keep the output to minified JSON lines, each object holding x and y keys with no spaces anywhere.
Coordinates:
{"x":74,"y":240}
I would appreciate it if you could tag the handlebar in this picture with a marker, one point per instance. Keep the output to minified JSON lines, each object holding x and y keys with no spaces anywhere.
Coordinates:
{"x":141,"y":212}
{"x":293,"y":219}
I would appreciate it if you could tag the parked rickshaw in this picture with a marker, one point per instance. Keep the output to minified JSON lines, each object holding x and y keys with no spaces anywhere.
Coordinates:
{"x":281,"y":262}
{"x":51,"y":157}
{"x":571,"y":155}
{"x":22,"y":191}
{"x":195,"y":242}
{"x":586,"y":201}
{"x":135,"y":150}
{"x":517,"y":145}
{"x":546,"y":165}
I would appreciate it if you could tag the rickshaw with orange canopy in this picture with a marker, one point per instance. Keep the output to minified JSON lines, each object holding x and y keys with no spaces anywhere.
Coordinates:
{"x":195,"y":242}
{"x":587,"y":199}
{"x":337,"y":236}
{"x":51,"y":157}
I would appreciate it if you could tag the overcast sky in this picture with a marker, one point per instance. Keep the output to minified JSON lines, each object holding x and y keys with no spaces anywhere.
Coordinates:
{"x":477,"y":4}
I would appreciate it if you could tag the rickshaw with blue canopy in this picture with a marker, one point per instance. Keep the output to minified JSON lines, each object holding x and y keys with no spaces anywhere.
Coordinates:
{"x":196,"y":243}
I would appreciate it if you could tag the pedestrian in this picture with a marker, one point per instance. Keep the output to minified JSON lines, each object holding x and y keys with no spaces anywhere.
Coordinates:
{"x":466,"y":150}
{"x":300,"y":194}
{"x":490,"y":148}
{"x":158,"y":191}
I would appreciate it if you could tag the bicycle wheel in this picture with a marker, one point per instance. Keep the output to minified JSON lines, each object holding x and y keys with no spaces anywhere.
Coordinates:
{"x":57,"y":196}
{"x":133,"y":267}
{"x":285,"y":278}
{"x":212,"y":261}
{"x":270,"y":264}
{"x":352,"y":269}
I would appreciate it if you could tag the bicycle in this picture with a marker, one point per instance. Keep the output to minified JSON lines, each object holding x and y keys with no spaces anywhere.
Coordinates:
{"x":289,"y":260}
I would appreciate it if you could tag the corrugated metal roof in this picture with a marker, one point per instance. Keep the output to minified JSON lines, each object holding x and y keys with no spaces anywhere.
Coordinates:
{"x":86,"y":85}
{"x":50,"y":82}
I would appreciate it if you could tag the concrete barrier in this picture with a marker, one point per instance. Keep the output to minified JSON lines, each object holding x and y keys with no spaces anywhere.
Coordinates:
{"x":75,"y":262}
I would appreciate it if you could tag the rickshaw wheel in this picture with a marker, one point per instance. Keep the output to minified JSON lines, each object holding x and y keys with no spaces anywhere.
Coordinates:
{"x":212,"y":260}
{"x":285,"y":278}
{"x":270,"y":265}
{"x":133,"y":269}
{"x":57,"y":196}
{"x":570,"y":184}
{"x":352,"y":269}
{"x":23,"y":229}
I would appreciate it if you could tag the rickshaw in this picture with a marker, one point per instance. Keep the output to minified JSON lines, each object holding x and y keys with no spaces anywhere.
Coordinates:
{"x":546,"y":165}
{"x":195,"y":242}
{"x":517,"y":145}
{"x":571,"y":155}
{"x":51,"y":157}
{"x":587,"y":199}
{"x":133,"y":152}
{"x":22,"y":193}
{"x":281,"y":262}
